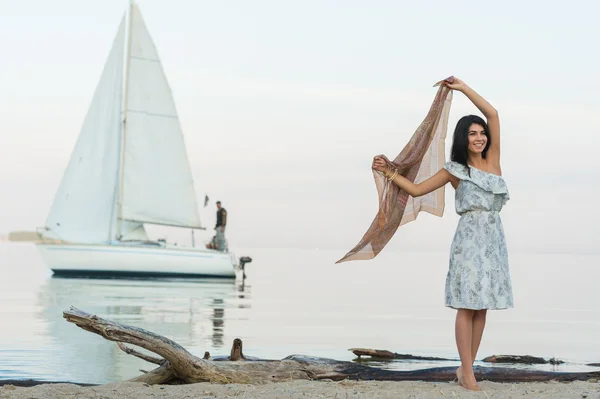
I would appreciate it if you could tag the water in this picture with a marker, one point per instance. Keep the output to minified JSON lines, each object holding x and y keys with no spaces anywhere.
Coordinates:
{"x":293,"y":302}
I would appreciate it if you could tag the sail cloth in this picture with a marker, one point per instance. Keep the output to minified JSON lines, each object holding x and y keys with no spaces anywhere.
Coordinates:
{"x":158,"y":187}
{"x":421,"y":158}
{"x":85,"y":201}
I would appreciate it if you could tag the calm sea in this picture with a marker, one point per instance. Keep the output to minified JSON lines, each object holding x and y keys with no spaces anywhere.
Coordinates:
{"x":293,"y":302}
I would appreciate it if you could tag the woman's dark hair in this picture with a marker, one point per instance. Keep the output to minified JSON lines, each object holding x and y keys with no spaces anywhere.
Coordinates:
{"x":460,"y":139}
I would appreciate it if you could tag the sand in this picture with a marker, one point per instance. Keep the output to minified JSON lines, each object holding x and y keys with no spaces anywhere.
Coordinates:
{"x":310,"y":389}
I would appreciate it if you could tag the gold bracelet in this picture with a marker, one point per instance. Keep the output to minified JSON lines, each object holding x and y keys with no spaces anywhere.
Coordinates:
{"x":393,"y":175}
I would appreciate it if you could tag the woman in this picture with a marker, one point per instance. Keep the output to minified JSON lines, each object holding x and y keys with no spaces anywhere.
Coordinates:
{"x":478,"y":277}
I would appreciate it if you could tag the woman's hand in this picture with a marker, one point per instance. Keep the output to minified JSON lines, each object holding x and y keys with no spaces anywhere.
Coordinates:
{"x":455,"y":84}
{"x":380,"y":164}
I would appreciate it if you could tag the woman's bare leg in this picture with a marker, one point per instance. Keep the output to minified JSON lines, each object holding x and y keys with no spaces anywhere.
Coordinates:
{"x":479,"y":317}
{"x":464,"y":343}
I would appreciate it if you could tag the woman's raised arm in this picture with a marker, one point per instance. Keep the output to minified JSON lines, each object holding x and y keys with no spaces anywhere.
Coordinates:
{"x":490,"y":113}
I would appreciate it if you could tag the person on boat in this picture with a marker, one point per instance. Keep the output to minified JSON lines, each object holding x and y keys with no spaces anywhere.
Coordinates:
{"x":478,"y":278}
{"x":220,"y":227}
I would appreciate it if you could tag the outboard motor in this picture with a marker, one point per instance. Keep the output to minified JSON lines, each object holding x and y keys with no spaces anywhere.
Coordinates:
{"x":243,"y":261}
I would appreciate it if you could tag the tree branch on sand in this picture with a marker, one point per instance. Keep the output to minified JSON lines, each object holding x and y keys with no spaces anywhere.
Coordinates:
{"x":385,"y":354}
{"x":379,"y":354}
{"x":150,"y":359}
{"x":526,"y":359}
{"x":178,"y":366}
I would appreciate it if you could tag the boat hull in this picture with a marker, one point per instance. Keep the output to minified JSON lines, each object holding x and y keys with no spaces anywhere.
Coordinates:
{"x":131,"y":261}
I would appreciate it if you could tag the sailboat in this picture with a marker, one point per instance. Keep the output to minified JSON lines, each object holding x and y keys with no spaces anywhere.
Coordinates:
{"x":129,"y":168}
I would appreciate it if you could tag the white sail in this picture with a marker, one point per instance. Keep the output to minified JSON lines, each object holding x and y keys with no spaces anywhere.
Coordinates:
{"x":84,"y":206}
{"x":157,"y":184}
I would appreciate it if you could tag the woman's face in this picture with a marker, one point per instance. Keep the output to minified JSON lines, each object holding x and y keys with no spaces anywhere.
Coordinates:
{"x":477,"y":139}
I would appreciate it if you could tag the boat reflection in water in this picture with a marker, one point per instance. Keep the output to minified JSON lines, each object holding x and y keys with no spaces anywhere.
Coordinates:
{"x":190,"y":312}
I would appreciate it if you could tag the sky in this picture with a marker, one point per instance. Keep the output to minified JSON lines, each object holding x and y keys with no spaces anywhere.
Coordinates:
{"x":283,"y":105}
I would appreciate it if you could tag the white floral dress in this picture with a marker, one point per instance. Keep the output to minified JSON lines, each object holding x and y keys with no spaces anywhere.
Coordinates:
{"x":478,"y":277}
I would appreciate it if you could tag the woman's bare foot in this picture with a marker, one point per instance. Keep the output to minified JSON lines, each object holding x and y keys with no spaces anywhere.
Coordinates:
{"x":467,"y":383}
{"x":459,"y":377}
{"x":470,"y":383}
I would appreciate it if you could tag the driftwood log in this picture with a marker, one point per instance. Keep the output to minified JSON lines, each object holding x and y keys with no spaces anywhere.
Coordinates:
{"x":178,"y":366}
{"x":379,"y":354}
{"x":521,"y":359}
{"x":385,"y":354}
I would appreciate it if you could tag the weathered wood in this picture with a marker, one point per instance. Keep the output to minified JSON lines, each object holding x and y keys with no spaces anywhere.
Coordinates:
{"x":31,"y":383}
{"x":236,"y":351}
{"x":150,"y":359}
{"x":185,"y":366}
{"x":180,"y":366}
{"x":526,"y":359}
{"x":374,"y":353}
{"x":447,"y":374}
{"x":385,"y":354}
{"x":160,"y":376}
{"x":379,"y":354}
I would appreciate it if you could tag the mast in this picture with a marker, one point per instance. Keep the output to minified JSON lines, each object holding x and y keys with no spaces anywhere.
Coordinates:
{"x":124,"y":125}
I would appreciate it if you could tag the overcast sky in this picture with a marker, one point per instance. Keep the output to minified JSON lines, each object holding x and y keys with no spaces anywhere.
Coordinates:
{"x":283,"y":105}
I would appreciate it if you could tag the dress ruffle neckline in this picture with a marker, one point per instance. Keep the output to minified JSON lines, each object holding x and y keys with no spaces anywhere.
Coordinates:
{"x":486,"y":181}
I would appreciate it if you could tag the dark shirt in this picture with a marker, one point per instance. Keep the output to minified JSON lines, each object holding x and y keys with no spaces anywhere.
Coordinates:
{"x":221,"y":217}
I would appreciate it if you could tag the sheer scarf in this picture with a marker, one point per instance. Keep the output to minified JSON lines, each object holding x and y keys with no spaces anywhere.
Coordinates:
{"x":421,"y":158}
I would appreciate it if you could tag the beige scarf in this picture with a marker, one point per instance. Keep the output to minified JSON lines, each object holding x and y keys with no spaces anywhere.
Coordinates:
{"x":421,"y":158}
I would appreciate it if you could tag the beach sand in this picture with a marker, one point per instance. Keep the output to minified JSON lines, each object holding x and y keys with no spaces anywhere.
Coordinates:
{"x":310,"y":389}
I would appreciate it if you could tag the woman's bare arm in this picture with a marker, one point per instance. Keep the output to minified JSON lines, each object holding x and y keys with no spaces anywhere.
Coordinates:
{"x":415,"y":190}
